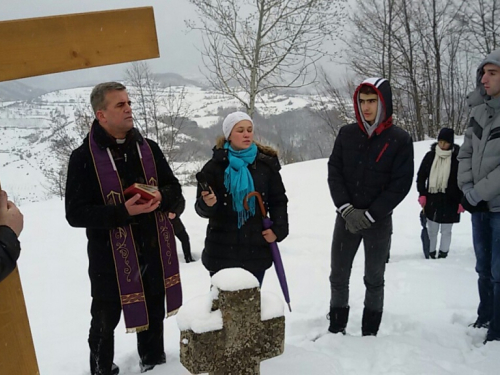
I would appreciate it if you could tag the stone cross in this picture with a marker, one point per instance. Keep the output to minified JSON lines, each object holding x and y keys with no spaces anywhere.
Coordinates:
{"x":243,"y":342}
{"x":37,"y":46}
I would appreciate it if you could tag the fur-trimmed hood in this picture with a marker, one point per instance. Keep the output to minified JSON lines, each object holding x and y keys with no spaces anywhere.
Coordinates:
{"x":265,"y":154}
{"x":266,"y":150}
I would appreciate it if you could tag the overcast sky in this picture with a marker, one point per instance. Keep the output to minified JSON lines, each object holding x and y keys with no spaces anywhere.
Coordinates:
{"x":178,"y":51}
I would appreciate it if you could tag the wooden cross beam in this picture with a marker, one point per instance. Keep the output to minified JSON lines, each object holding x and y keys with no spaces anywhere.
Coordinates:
{"x":244,"y":341}
{"x":37,"y":46}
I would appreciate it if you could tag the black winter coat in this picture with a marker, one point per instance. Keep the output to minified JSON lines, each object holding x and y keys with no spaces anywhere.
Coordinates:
{"x":9,"y":251}
{"x":226,"y":246}
{"x":177,"y":222}
{"x":440,"y":207}
{"x":85,"y":208}
{"x":373,"y":173}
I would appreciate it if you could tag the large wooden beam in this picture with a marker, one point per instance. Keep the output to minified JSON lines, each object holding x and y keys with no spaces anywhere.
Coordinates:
{"x":17,"y":354}
{"x":36,"y":46}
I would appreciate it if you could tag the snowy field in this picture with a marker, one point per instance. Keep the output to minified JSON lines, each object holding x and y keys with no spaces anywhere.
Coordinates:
{"x":428,"y":303}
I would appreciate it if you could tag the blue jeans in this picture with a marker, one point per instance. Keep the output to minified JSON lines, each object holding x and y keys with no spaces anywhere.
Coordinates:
{"x":486,"y":237}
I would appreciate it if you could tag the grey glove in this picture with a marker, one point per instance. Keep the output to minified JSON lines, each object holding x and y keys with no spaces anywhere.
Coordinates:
{"x":355,"y":219}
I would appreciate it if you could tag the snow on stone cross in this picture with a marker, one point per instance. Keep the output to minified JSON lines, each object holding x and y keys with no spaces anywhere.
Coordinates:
{"x":233,"y":329}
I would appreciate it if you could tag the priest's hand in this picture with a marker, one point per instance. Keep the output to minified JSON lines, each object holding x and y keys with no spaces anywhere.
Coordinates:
{"x":157,"y":197}
{"x":134,"y":207}
{"x":10,"y":215}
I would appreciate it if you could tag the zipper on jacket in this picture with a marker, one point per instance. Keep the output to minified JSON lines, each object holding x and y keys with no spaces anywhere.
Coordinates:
{"x":378,"y":157}
{"x":125,"y":156}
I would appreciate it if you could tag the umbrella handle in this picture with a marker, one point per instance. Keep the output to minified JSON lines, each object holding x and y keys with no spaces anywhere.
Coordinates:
{"x":257,"y":195}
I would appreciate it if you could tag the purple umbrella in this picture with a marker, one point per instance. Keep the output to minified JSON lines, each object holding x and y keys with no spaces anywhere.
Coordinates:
{"x":278,"y":263}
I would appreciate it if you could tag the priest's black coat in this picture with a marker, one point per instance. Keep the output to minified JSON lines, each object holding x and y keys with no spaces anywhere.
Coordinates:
{"x":85,"y":208}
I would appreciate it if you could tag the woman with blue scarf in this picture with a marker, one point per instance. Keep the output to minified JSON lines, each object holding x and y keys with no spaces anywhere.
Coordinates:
{"x":235,"y":236}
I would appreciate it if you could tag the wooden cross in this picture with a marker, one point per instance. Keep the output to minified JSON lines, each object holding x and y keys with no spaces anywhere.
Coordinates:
{"x":36,"y":46}
{"x":243,"y":342}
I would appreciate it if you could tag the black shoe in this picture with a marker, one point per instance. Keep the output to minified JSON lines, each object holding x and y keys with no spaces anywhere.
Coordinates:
{"x":188,"y":258}
{"x":149,"y":366}
{"x":370,"y":322}
{"x":115,"y":370}
{"x":442,"y":254}
{"x":432,"y":254}
{"x":338,"y":317}
{"x":490,"y":338}
{"x":479,"y":324}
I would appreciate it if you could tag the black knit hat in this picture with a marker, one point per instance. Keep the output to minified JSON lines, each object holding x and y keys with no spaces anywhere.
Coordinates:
{"x":446,"y":134}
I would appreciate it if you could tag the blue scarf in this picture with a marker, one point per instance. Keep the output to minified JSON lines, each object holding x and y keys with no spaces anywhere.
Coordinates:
{"x":238,"y":180}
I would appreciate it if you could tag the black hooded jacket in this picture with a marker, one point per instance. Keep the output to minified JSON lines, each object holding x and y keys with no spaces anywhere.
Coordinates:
{"x":440,"y":207}
{"x":9,"y":251}
{"x":226,"y":246}
{"x":373,"y":172}
{"x":85,"y":208}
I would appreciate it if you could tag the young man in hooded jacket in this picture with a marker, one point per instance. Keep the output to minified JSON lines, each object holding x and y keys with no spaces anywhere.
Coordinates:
{"x":479,"y":179}
{"x":370,"y":172}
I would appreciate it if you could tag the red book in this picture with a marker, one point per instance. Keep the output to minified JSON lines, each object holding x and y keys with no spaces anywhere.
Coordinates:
{"x":146,"y":191}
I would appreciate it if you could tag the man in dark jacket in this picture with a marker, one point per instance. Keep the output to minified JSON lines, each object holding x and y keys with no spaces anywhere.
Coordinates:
{"x":11,"y":225}
{"x":132,"y":259}
{"x":180,"y":230}
{"x":479,"y":179}
{"x":370,"y":171}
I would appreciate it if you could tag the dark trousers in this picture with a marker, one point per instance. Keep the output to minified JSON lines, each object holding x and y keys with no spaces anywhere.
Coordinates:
{"x":105,"y":318}
{"x":377,"y":242}
{"x":186,"y":246}
{"x":486,"y":238}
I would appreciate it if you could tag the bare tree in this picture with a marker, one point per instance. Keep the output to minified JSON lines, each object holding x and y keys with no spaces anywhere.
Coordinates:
{"x":481,"y":20}
{"x":254,"y":46}
{"x":429,"y":67}
{"x":56,"y":180}
{"x":162,"y":113}
{"x":65,"y":136}
{"x":146,"y":92}
{"x":174,"y":120}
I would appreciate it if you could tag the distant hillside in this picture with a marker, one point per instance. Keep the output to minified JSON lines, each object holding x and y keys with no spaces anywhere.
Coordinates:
{"x":18,"y":91}
{"x":28,"y":129}
{"x":15,"y":90}
{"x":173,"y":79}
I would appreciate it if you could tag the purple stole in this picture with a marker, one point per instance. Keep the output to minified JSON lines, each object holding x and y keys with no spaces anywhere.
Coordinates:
{"x":127,"y":267}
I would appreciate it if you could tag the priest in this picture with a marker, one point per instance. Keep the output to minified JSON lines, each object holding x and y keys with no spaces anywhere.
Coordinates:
{"x":133,"y":262}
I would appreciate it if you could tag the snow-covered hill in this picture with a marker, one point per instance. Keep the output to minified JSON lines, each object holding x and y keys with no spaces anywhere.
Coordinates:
{"x":26,"y":127}
{"x":428,"y":303}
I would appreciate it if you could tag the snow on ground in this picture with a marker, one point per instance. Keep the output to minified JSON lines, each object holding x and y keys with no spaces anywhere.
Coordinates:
{"x":428,"y":304}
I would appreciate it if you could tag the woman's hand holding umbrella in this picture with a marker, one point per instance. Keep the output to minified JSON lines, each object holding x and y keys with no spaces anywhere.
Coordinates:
{"x":269,"y":235}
